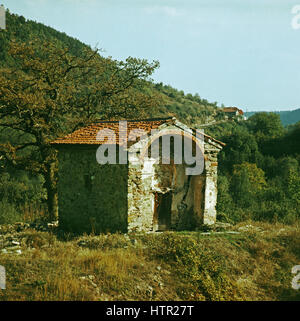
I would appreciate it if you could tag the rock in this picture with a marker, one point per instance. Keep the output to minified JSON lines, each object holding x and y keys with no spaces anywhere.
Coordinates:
{"x":126,"y":237}
{"x":150,"y":291}
{"x":90,"y":279}
{"x":222,"y":225}
{"x":52,"y":225}
{"x":93,"y":284}
{"x":82,"y":243}
{"x":13,"y":248}
{"x":134,"y":242}
{"x":249,"y":227}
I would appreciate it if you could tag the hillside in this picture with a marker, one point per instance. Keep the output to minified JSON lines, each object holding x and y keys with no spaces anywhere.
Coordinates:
{"x":191,"y":109}
{"x":249,"y":261}
{"x":287,"y":117}
{"x":247,"y":255}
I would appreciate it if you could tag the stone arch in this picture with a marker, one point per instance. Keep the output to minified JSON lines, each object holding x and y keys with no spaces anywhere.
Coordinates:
{"x":173,"y":189}
{"x":170,"y":132}
{"x":149,"y":181}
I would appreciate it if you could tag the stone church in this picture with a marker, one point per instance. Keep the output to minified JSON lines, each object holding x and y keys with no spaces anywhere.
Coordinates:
{"x":136,"y":191}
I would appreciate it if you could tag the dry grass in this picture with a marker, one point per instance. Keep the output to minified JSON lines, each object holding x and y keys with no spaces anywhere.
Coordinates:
{"x":252,"y":265}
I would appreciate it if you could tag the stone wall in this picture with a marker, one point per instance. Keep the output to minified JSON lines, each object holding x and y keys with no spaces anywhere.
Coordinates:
{"x":211,"y":190}
{"x":146,"y":178}
{"x":92,"y":197}
{"x":108,"y":198}
{"x":187,"y":196}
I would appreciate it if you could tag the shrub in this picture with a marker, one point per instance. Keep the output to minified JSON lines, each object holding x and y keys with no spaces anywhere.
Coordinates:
{"x":8,"y":213}
{"x":203,"y":269}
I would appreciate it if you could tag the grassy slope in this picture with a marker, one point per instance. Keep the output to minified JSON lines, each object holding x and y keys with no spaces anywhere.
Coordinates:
{"x":252,"y":265}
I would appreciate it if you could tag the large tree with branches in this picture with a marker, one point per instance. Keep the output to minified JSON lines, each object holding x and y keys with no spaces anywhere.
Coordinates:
{"x":46,"y":92}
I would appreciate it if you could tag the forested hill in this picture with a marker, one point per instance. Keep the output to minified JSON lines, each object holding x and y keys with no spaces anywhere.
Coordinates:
{"x":288,"y":117}
{"x":23,"y":30}
{"x":191,"y":109}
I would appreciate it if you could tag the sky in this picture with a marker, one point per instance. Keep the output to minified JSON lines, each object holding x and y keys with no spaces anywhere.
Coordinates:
{"x":243,"y":53}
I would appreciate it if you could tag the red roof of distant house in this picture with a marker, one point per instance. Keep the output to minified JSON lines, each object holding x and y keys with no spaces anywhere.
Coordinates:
{"x":232,"y":110}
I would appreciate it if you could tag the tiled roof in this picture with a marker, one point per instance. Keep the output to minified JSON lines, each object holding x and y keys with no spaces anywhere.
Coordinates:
{"x":232,"y":110}
{"x":116,"y":135}
{"x":88,"y":134}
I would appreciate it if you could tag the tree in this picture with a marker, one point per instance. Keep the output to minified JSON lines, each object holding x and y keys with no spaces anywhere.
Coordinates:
{"x":46,"y":92}
{"x":266,"y":126}
{"x":224,"y":203}
{"x":241,"y":146}
{"x":247,"y":181}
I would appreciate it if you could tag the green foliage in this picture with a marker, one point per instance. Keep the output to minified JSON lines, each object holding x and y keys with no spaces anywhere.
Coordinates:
{"x":254,"y":175}
{"x":266,"y":126}
{"x":204,"y":270}
{"x":48,"y":89}
{"x":241,"y":146}
{"x":8,"y":213}
{"x":259,"y":171}
{"x":25,"y":30}
{"x":191,"y":109}
{"x":19,"y":188}
{"x":224,"y":201}
{"x":258,"y":168}
{"x":287,"y":117}
{"x":50,"y":84}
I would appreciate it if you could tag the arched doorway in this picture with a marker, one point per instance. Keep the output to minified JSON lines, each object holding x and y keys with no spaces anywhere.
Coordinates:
{"x":162,"y":211}
{"x":176,"y":200}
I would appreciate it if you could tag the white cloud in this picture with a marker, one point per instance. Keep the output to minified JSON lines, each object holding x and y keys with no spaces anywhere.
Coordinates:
{"x":166,"y":10}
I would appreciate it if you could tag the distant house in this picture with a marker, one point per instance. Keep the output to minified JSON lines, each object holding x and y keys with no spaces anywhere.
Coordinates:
{"x":233,"y":112}
{"x":140,"y":194}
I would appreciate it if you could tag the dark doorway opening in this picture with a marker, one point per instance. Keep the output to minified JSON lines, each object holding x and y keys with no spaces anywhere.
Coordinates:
{"x":162,"y":211}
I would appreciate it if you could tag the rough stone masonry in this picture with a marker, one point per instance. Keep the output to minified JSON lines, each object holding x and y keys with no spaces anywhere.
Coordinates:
{"x":142,"y":195}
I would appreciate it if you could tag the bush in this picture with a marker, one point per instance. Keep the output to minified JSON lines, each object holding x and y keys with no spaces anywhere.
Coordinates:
{"x":196,"y":265}
{"x":8,"y":213}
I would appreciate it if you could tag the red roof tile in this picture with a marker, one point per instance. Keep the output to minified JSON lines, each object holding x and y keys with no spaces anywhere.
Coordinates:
{"x":88,"y":135}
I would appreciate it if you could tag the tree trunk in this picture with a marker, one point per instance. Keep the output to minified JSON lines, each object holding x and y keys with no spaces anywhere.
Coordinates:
{"x":52,"y":198}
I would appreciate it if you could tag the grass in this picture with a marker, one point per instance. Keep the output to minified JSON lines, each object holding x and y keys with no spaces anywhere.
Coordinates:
{"x":254,"y":264}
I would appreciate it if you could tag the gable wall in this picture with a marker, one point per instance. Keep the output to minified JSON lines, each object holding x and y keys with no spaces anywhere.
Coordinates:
{"x":146,"y":178}
{"x":92,"y":197}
